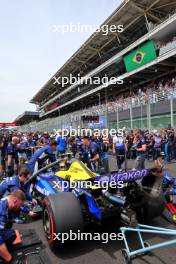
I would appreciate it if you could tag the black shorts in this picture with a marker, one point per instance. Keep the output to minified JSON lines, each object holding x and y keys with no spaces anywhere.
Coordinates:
{"x":120,"y":152}
{"x":2,"y":159}
{"x":156,"y":153}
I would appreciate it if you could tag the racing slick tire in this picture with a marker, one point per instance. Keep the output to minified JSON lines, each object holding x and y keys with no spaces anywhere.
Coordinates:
{"x":61,"y":214}
{"x":153,"y":195}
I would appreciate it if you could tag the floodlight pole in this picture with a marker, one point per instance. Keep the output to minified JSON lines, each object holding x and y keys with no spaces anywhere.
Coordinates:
{"x":149,"y":112}
{"x":131,"y":115}
{"x":171,"y":110}
{"x":106,"y":102}
{"x":99,"y":102}
{"x":117,"y":117}
{"x":141,"y":116}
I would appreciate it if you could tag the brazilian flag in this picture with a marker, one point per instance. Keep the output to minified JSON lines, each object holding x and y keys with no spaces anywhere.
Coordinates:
{"x":140,"y":56}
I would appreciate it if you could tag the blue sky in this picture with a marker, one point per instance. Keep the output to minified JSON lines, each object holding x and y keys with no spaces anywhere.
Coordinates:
{"x":31,"y":52}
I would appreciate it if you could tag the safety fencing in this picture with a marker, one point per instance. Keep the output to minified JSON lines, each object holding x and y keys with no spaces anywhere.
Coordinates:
{"x":141,"y":100}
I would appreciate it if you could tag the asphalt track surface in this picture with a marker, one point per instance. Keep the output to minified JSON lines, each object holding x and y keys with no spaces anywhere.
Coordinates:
{"x":90,"y":252}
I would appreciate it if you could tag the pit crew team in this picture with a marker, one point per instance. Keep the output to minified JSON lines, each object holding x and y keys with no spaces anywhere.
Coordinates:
{"x":21,"y":152}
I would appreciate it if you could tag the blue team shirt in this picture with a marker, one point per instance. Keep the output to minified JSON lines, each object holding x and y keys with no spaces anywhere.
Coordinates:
{"x":47,"y":150}
{"x":12,"y":150}
{"x":12,"y":184}
{"x":88,"y":152}
{"x":5,"y":217}
{"x":61,"y":142}
{"x":140,"y":143}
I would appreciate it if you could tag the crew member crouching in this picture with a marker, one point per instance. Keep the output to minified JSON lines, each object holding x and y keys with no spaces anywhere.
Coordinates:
{"x":8,"y":207}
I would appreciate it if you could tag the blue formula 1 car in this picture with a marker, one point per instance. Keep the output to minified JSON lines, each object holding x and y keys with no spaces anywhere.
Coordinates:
{"x":71,"y":195}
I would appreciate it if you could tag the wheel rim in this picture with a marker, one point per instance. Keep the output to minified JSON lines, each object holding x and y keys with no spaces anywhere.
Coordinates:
{"x":174,"y":217}
{"x":47,"y":223}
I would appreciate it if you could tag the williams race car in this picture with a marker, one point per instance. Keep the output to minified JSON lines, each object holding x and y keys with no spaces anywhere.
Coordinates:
{"x":71,"y":195}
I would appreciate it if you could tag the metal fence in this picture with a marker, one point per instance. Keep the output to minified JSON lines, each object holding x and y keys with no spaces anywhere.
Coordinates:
{"x":140,"y":100}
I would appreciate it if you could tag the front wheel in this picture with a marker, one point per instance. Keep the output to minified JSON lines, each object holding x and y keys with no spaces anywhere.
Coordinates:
{"x":61,"y":214}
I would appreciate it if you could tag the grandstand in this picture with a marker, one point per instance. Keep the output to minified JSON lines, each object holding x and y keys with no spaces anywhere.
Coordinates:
{"x":149,"y":41}
{"x":26,"y":118}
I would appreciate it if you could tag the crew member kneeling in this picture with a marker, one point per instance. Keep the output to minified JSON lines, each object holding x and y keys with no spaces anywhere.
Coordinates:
{"x":8,"y":207}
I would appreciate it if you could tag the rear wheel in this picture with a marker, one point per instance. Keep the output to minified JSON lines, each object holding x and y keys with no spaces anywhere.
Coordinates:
{"x":153,"y":195}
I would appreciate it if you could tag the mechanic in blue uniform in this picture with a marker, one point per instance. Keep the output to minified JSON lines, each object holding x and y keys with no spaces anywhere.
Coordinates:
{"x":45,"y":139}
{"x":3,"y":154}
{"x":90,"y":153}
{"x":62,"y":144}
{"x":141,"y":147}
{"x":105,"y":156}
{"x":30,"y":145}
{"x":119,"y":149}
{"x":103,"y":164}
{"x":8,"y":208}
{"x":16,"y":182}
{"x":22,"y":157}
{"x":169,"y":144}
{"x":12,"y":156}
{"x":169,"y":182}
{"x":49,"y":150}
{"x":72,"y":146}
